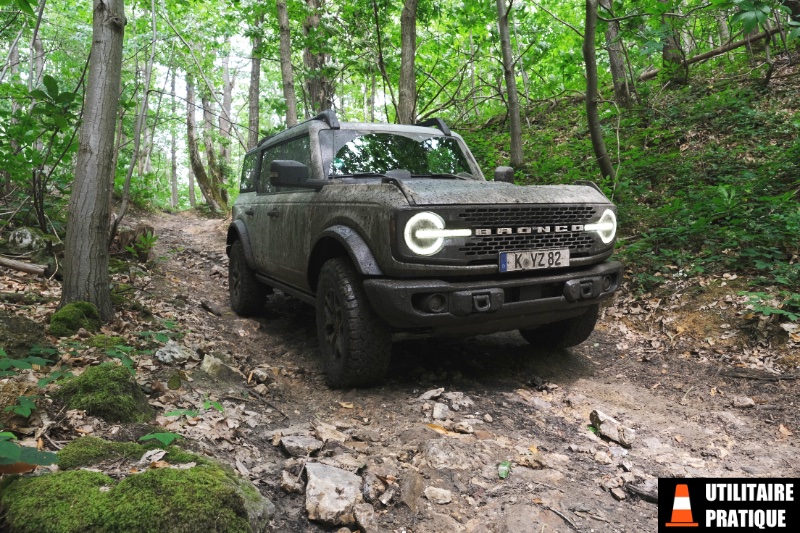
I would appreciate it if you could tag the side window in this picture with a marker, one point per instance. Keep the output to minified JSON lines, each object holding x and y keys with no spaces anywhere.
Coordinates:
{"x":248,"y":182}
{"x":296,"y":150}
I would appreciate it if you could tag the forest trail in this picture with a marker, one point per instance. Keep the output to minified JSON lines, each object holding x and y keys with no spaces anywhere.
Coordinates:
{"x":452,"y":412}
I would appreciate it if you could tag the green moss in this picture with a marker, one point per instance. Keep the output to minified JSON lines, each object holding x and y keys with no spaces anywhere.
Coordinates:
{"x":108,"y":392}
{"x":64,"y":502}
{"x":104,"y":342}
{"x":86,"y":451}
{"x":70,"y":318}
{"x":203,"y":498}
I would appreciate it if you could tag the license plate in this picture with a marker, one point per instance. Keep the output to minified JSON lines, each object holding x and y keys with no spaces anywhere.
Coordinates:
{"x":534,"y":259}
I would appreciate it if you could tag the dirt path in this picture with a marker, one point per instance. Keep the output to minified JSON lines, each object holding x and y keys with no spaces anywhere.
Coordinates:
{"x":502,"y":400}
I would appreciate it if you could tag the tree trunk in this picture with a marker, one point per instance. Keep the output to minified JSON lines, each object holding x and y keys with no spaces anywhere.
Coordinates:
{"x":318,"y":86}
{"x":210,"y":193}
{"x":592,"y":115}
{"x":616,"y":57}
{"x":173,"y":148}
{"x":724,"y":29}
{"x":86,"y":243}
{"x":371,"y":100}
{"x":672,"y":56}
{"x":214,"y":170}
{"x":287,"y":75}
{"x":137,"y":130}
{"x":192,"y":192}
{"x":407,"y":86}
{"x":512,"y":99}
{"x":255,"y":82}
{"x":227,"y":107}
{"x":13,"y":59}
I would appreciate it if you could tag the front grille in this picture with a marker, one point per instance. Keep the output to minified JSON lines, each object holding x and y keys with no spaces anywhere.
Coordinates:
{"x":487,"y":247}
{"x":482,"y":217}
{"x":577,"y":243}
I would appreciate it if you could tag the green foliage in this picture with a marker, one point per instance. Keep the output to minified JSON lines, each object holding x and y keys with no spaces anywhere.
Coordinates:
{"x":9,"y":366}
{"x":106,"y":391}
{"x":12,"y":453}
{"x":24,"y":407}
{"x":165,"y":438}
{"x":144,"y":243}
{"x":69,"y":319}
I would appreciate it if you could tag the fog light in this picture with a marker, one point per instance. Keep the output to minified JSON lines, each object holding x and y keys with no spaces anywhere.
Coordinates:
{"x":607,"y":282}
{"x":436,"y":303}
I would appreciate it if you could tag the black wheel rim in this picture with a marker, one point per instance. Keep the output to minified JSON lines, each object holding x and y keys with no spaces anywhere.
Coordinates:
{"x":334,"y":323}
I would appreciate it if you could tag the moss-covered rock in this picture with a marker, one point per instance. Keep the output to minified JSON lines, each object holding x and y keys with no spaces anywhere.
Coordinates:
{"x":70,"y":318}
{"x":19,"y":334}
{"x":206,"y":497}
{"x":104,"y":342}
{"x":87,"y":451}
{"x":108,"y":392}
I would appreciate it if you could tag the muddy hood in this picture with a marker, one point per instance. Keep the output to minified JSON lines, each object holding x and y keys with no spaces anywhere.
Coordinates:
{"x":453,"y":192}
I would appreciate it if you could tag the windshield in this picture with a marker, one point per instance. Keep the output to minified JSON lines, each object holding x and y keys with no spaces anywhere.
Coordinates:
{"x":380,"y":152}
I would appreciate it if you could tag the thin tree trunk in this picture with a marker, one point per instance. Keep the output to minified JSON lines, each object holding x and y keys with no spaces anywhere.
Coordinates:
{"x":287,"y":75}
{"x":723,"y":28}
{"x":381,"y":63}
{"x":208,"y":141}
{"x":192,"y":191}
{"x":227,"y":105}
{"x":318,"y":85}
{"x":13,"y":58}
{"x":512,"y":98}
{"x":255,"y":82}
{"x":86,"y":243}
{"x":173,"y":148}
{"x":137,"y":130}
{"x":407,"y":86}
{"x":616,"y":57}
{"x":592,"y":115}
{"x":206,"y":186}
{"x":672,"y":56}
{"x":37,"y":53}
{"x":371,"y":101}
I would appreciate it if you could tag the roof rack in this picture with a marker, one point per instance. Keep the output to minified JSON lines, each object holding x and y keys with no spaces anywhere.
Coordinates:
{"x":436,"y":123}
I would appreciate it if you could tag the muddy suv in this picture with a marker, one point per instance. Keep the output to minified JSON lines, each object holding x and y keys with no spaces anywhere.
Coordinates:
{"x":392,"y":230}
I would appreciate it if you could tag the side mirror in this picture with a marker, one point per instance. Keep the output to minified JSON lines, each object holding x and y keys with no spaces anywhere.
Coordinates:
{"x":285,"y":173}
{"x":504,"y":174}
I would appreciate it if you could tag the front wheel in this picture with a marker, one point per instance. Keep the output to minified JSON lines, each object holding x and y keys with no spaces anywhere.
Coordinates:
{"x":565,"y":333}
{"x":354,"y":341}
{"x":247,"y":293}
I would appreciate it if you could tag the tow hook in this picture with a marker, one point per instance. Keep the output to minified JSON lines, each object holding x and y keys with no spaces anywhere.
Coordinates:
{"x":463,"y":303}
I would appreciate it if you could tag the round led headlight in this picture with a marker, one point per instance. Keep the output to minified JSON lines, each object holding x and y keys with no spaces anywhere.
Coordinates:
{"x":416,"y":229}
{"x":606,"y":227}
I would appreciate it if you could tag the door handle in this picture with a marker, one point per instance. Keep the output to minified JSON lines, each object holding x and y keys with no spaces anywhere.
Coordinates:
{"x":273,"y":214}
{"x":250,"y":212}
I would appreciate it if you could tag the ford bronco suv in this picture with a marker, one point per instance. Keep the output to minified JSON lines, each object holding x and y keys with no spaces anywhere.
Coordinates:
{"x":392,"y":230}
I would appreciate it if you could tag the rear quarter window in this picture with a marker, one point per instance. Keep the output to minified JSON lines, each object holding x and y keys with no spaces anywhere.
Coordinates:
{"x":248,"y":182}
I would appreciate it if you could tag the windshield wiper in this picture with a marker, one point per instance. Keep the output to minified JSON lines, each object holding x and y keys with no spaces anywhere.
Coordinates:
{"x":359,"y":175}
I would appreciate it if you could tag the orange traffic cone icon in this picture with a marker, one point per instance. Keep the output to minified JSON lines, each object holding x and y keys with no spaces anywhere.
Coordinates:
{"x":682,"y":508}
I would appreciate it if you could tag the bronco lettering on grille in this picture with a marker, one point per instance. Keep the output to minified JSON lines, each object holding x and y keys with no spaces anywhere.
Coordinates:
{"x":523,"y":230}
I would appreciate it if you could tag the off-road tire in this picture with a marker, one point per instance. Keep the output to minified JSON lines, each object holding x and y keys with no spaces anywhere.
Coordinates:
{"x":355,"y":343}
{"x":565,"y":333}
{"x":247,"y":293}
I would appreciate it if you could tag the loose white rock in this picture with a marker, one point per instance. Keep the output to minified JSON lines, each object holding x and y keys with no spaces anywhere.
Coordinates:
{"x":439,"y":496}
{"x":331,"y":495}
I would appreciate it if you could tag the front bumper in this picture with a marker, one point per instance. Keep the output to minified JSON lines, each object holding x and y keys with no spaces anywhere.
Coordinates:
{"x":438,"y":307}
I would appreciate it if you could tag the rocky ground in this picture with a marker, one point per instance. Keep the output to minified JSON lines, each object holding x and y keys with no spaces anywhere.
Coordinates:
{"x":486,"y":434}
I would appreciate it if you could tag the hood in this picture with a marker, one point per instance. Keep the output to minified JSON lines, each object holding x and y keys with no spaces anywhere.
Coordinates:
{"x":422,"y":191}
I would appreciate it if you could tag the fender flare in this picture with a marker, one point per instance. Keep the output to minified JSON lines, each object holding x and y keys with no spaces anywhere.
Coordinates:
{"x":356,"y":248}
{"x":238,"y":230}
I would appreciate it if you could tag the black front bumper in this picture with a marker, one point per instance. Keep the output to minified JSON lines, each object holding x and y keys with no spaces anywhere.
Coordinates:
{"x":440,"y":307}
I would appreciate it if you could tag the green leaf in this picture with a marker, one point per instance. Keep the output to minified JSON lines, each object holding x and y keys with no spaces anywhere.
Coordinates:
{"x":52,"y":86}
{"x":37,"y":361}
{"x":9,"y":452}
{"x":25,"y":7}
{"x":33,"y":456}
{"x":38,"y":94}
{"x":7,"y":435}
{"x":164,"y":438}
{"x":182,"y":412}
